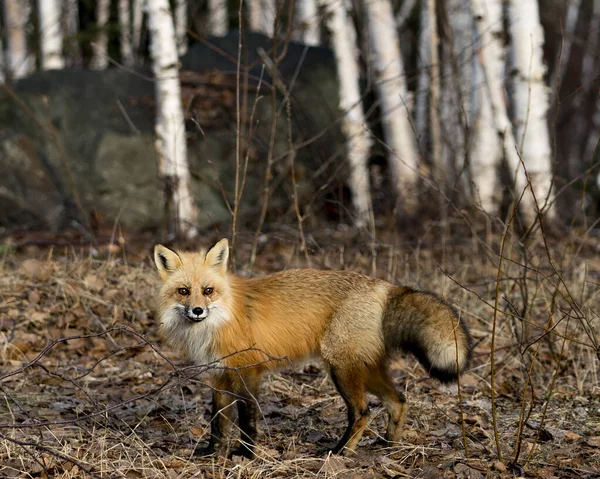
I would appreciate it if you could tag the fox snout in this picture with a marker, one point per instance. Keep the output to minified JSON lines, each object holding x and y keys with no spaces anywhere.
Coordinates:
{"x":195,"y":314}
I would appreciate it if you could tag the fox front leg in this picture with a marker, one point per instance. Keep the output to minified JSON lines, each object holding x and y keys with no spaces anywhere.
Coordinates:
{"x":221,"y":419}
{"x":247,"y":413}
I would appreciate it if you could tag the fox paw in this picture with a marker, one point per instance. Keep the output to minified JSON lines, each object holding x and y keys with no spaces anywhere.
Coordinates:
{"x":205,"y":451}
{"x":243,"y":451}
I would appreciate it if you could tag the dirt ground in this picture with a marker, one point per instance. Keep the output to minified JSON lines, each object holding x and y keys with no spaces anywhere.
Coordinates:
{"x":88,"y":390}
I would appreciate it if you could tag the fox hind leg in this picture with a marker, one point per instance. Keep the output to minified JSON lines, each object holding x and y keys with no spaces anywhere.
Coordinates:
{"x":351,"y":386}
{"x":380,"y":383}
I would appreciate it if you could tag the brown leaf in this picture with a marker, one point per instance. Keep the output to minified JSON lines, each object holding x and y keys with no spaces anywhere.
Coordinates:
{"x":93,"y":282}
{"x":33,"y":268}
{"x":593,"y":441}
{"x":33,"y":297}
{"x":571,"y":436}
{"x":465,"y":472}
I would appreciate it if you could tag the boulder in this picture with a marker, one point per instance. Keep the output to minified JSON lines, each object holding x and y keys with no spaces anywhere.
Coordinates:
{"x":83,"y":136}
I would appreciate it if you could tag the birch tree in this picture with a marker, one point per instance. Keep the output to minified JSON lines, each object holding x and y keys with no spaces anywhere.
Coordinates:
{"x":487,"y":149}
{"x":492,"y":61}
{"x":99,"y":59}
{"x":307,"y":16}
{"x":18,"y":62}
{"x":531,"y":97}
{"x":391,"y":88}
{"x":125,"y":40}
{"x":343,"y":38}
{"x":51,"y":38}
{"x":218,"y":18}
{"x":181,"y":24}
{"x":262,"y":16}
{"x":170,"y":128}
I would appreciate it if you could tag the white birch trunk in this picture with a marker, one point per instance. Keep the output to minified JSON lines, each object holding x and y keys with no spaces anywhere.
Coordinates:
{"x":393,"y":97}
{"x":51,"y":37}
{"x":343,"y":38}
{"x":253,"y":15}
{"x":492,"y":61}
{"x":268,"y":12}
{"x":262,"y":16}
{"x":487,"y":148}
{"x":531,"y":97}
{"x":72,"y":30}
{"x":99,"y":59}
{"x":181,"y":24}
{"x":125,"y":41}
{"x":307,"y":17}
{"x":137,"y":23}
{"x":218,"y":17}
{"x":19,"y":64}
{"x":170,"y":128}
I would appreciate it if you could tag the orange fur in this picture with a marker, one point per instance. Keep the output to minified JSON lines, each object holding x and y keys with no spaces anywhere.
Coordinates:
{"x":354,"y":322}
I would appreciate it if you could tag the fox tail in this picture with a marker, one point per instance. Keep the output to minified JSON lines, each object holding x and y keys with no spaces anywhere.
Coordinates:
{"x":426,"y":326}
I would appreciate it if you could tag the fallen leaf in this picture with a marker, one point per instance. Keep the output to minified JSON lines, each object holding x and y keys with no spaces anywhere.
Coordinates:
{"x":593,"y":441}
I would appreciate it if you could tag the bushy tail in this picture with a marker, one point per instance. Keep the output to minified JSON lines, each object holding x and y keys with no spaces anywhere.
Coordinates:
{"x":426,"y":326}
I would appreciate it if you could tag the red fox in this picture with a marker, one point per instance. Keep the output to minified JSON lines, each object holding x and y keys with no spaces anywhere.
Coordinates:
{"x":355,"y":323}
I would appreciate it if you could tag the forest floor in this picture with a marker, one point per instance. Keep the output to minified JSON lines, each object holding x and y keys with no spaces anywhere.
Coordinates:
{"x":88,"y":390}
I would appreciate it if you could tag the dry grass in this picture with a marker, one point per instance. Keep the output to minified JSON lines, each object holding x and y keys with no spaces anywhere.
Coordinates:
{"x":110,"y":403}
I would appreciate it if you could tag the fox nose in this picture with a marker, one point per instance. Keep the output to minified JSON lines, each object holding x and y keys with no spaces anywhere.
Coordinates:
{"x":197,"y":311}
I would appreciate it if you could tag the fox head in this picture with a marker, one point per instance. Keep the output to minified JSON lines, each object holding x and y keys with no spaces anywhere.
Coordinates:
{"x":195,"y":288}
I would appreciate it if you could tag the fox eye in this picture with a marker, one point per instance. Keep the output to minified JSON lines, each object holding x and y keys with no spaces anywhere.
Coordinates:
{"x":184,"y":291}
{"x":208,"y":291}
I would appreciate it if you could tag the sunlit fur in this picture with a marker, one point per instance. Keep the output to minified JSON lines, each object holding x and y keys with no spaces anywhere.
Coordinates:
{"x":354,"y":322}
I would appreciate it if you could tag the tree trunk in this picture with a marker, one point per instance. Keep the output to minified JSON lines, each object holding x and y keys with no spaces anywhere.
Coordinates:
{"x":440,"y":173}
{"x":72,"y":30}
{"x":268,"y":13}
{"x":423,"y":65}
{"x":125,"y":43}
{"x":170,"y":128}
{"x":262,"y":16}
{"x":307,"y":17}
{"x":19,"y":64}
{"x":2,"y":62}
{"x":391,"y":88}
{"x":99,"y":60}
{"x":181,"y":24}
{"x":531,"y":97}
{"x":137,"y":22}
{"x":51,"y":37}
{"x":489,"y":23}
{"x":254,"y":15}
{"x":457,"y":91}
{"x":487,"y":152}
{"x":343,"y":38}
{"x":218,"y":17}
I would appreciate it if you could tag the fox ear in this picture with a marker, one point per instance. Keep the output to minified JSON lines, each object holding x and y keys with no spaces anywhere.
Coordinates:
{"x":166,"y":260}
{"x":217,"y":256}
